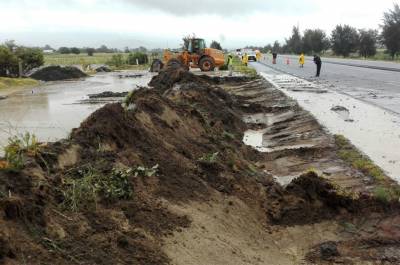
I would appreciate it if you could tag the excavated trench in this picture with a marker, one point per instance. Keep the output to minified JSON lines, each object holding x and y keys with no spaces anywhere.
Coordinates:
{"x":165,"y":178}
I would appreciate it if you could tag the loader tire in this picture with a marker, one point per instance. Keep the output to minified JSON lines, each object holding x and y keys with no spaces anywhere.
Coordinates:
{"x":156,"y":66}
{"x":206,"y":64}
{"x":174,"y":63}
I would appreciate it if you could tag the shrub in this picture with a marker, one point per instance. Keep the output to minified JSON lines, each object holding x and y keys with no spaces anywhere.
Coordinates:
{"x":137,"y":57}
{"x":116,"y":60}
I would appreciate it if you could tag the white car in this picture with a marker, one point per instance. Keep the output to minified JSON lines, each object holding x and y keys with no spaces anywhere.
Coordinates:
{"x":251,"y":55}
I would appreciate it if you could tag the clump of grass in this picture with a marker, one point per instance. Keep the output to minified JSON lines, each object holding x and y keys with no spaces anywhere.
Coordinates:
{"x":228,"y":136}
{"x":209,"y":158}
{"x":128,"y":100}
{"x":17,"y":148}
{"x":350,"y":154}
{"x":92,"y":186}
{"x":81,"y":193}
{"x":382,"y":194}
{"x":145,"y":171}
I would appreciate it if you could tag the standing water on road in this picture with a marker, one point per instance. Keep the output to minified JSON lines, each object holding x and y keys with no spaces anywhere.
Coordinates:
{"x":52,"y":109}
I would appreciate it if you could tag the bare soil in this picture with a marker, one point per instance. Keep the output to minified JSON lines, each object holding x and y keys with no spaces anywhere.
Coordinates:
{"x":213,"y":199}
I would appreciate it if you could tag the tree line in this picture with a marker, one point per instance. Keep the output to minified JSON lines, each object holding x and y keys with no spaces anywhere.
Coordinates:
{"x":345,"y":39}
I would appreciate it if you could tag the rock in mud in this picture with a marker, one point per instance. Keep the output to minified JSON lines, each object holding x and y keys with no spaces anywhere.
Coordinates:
{"x":56,"y":72}
{"x":328,"y":250}
{"x":339,"y":108}
{"x":102,"y":69}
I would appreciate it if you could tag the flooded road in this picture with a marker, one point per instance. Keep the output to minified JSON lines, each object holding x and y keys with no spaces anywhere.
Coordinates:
{"x":52,"y":109}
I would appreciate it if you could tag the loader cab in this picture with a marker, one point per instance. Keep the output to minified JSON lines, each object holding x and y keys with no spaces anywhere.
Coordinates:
{"x":196,"y":45}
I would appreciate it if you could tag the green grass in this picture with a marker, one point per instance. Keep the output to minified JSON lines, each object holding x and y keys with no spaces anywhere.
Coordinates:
{"x":6,"y":82}
{"x":71,"y":59}
{"x":84,"y":59}
{"x":385,"y":189}
{"x":238,"y":66}
{"x":209,"y":158}
{"x":350,"y":154}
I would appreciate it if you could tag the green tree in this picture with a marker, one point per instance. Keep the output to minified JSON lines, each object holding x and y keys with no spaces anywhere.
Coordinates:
{"x":391,"y":30}
{"x":8,"y":61}
{"x":10,"y":44}
{"x":345,"y":40}
{"x":215,"y":45}
{"x":30,"y":57}
{"x":90,"y":51}
{"x":315,"y":41}
{"x":294,"y":43}
{"x":139,"y":57}
{"x":64,"y":50}
{"x":368,"y":40}
{"x":75,"y":50}
{"x":276,"y":47}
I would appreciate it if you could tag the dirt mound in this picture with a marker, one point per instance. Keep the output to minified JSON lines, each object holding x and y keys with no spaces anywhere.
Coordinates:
{"x":111,"y":192}
{"x":170,"y":76}
{"x":310,"y":198}
{"x":57,"y":72}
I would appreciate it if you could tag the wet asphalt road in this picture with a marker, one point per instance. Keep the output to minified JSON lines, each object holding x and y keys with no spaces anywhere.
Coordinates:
{"x":379,"y":87}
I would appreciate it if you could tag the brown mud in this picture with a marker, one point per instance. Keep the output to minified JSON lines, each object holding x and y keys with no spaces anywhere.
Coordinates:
{"x":210,"y":199}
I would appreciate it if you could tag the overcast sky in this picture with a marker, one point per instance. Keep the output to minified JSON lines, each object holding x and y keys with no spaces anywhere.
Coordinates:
{"x":162,"y":23}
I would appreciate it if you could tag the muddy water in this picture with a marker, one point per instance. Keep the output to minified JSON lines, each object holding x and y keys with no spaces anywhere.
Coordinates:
{"x":52,"y":109}
{"x":373,"y":130}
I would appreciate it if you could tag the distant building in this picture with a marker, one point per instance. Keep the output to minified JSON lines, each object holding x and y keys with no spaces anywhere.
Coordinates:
{"x":48,"y":51}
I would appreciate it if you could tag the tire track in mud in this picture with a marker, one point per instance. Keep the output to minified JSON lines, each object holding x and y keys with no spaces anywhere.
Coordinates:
{"x":371,"y":129}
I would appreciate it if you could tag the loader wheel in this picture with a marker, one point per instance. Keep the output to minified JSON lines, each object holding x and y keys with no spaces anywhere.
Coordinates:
{"x":206,"y":64}
{"x":174,"y":63}
{"x":156,"y":66}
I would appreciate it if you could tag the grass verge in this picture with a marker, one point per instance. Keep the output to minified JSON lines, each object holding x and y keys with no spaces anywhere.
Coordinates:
{"x":6,"y":82}
{"x":238,"y":66}
{"x":385,"y":188}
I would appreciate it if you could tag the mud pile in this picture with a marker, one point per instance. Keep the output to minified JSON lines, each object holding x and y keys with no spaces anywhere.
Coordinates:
{"x":132,"y":181}
{"x":57,"y":72}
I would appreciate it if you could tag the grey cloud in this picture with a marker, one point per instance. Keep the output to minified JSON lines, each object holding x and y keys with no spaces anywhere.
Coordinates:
{"x":224,"y":7}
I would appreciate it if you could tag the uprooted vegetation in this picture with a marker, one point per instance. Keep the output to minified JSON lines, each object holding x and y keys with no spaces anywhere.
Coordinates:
{"x":164,"y":178}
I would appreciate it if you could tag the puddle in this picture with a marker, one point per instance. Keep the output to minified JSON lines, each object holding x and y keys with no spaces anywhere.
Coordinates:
{"x":255,"y":138}
{"x":342,"y":112}
{"x":52,"y":109}
{"x":267,"y":118}
{"x":285,"y":180}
